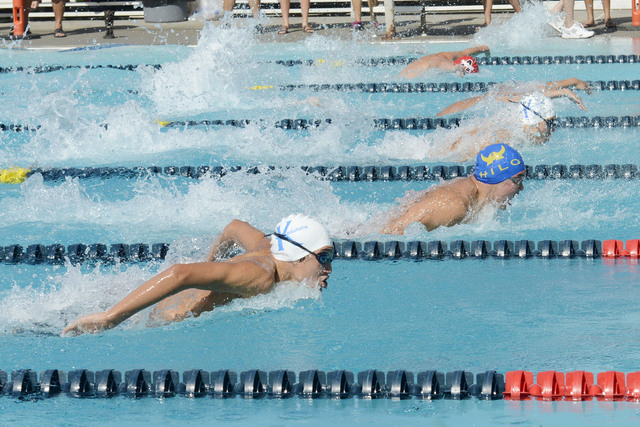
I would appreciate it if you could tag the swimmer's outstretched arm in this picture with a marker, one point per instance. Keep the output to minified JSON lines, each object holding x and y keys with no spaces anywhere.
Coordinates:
{"x":559,"y":84}
{"x":244,"y":278}
{"x":461,"y":105}
{"x":473,"y":50}
{"x":240,"y":233}
{"x":556,"y":93}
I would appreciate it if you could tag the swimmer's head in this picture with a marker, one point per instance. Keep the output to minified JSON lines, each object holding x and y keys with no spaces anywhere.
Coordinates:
{"x":497,"y":163}
{"x":536,"y":108}
{"x":306,"y":244}
{"x":538,"y":117}
{"x":301,"y":229}
{"x":466,"y":64}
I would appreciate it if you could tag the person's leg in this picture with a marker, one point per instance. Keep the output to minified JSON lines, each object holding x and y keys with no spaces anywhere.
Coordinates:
{"x":305,"y":5}
{"x":608,"y":22}
{"x":284,"y":8}
{"x":58,"y":14}
{"x":357,"y":10}
{"x":487,"y":5}
{"x":557,"y":8}
{"x":228,"y":5}
{"x":588,"y":4}
{"x":255,"y":8}
{"x":516,"y":5}
{"x":568,"y":9}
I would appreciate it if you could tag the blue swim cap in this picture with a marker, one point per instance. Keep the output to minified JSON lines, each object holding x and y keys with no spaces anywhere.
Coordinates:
{"x":496,"y":163}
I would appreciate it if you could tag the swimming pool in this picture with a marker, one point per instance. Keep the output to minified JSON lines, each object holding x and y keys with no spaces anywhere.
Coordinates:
{"x":473,"y":314}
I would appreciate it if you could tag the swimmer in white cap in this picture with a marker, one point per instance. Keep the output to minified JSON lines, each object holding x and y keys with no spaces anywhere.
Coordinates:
{"x":497,"y":179}
{"x":534,"y":111}
{"x":460,"y":62}
{"x":299,"y":250}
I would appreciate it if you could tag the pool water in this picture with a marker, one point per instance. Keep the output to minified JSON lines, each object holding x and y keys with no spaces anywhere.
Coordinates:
{"x":532,"y":314}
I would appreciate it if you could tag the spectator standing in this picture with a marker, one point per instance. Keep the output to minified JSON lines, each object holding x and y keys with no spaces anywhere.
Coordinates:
{"x":253,"y":4}
{"x":285,"y":5}
{"x":606,"y":5}
{"x":58,"y":14}
{"x":568,"y":28}
{"x":487,"y":5}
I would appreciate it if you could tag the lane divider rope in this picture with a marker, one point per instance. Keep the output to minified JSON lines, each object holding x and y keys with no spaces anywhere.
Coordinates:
{"x":17,"y":175}
{"x":339,"y":384}
{"x":53,"y":68}
{"x":383,"y":123}
{"x":421,"y":87}
{"x":344,"y":249}
{"x":482,"y":60}
{"x":394,"y":60}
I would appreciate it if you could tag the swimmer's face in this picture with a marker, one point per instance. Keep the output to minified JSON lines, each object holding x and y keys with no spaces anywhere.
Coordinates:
{"x":310,"y":269}
{"x":461,"y":70}
{"x":541,"y":132}
{"x":508,"y":189}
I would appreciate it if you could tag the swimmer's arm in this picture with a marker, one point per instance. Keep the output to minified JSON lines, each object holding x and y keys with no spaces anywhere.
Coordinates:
{"x":236,"y":232}
{"x":461,"y":105}
{"x":559,"y":84}
{"x":473,"y":50}
{"x":556,"y":93}
{"x":416,"y":68}
{"x":244,"y":278}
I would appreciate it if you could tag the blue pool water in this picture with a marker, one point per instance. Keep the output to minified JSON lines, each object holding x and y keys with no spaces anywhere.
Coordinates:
{"x":533,"y":314}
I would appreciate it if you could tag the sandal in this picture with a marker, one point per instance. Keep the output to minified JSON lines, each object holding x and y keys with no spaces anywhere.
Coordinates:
{"x":59,"y":33}
{"x":307,"y":29}
{"x":283,"y":30}
{"x":357,"y":26}
{"x":610,"y":24}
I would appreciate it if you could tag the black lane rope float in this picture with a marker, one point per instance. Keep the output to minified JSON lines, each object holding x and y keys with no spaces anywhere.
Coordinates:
{"x":79,"y":253}
{"x":18,"y":175}
{"x":383,"y":123}
{"x":317,"y":384}
{"x":394,"y":60}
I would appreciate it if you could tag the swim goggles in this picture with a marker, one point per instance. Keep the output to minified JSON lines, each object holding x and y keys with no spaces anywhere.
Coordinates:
{"x":517,"y":180}
{"x":324,"y":257}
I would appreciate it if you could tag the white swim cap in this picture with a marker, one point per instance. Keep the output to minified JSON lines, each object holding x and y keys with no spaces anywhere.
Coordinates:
{"x":301,"y":229}
{"x":536,"y":107}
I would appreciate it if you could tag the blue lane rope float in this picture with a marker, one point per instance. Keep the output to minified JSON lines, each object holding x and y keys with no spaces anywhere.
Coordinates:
{"x":17,"y":175}
{"x":383,"y":123}
{"x":317,"y":384}
{"x":78,"y":253}
{"x":394,"y":60}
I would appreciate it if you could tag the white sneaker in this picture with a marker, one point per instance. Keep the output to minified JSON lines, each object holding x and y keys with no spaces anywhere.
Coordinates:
{"x":555,"y":21}
{"x":576,"y":31}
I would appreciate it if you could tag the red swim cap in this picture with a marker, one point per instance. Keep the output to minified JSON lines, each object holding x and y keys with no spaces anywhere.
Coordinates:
{"x":468,"y":62}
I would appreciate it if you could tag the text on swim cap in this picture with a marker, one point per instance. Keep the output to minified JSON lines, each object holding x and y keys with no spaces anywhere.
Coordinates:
{"x":287,"y":233}
{"x":514,"y":162}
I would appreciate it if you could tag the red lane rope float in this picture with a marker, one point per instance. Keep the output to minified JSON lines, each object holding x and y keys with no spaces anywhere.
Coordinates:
{"x":615,"y":248}
{"x":578,"y":385}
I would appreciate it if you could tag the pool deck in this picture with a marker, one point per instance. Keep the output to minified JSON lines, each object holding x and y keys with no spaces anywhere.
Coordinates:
{"x":440,"y":27}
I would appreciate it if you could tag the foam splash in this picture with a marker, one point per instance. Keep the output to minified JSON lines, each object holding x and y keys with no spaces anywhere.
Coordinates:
{"x":523,"y":32}
{"x":46,"y":309}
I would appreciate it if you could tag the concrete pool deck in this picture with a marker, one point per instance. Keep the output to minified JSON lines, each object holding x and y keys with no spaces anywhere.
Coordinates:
{"x":441,"y":27}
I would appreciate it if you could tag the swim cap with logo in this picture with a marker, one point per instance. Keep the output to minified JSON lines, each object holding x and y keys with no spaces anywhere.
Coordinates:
{"x":535,"y":108}
{"x":468,"y":62}
{"x":301,"y":229}
{"x":497,"y":163}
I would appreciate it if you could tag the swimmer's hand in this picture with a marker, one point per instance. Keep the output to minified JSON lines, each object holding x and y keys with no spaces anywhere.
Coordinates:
{"x":90,"y":323}
{"x":582,"y":85}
